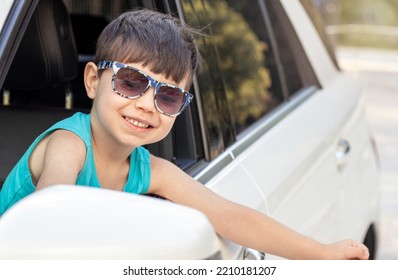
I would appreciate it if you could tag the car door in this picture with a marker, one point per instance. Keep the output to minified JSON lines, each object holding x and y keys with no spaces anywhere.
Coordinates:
{"x":317,"y":153}
{"x":355,"y":155}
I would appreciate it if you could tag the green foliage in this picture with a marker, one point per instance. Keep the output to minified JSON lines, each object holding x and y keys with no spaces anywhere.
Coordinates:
{"x":241,"y":55}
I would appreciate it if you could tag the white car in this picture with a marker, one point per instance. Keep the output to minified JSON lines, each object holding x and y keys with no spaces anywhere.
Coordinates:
{"x":275,"y":125}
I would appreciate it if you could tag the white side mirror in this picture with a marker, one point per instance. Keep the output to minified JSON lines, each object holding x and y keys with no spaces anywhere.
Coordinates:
{"x":70,"y":222}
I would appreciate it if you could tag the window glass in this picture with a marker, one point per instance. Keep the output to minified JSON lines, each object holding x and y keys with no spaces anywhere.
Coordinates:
{"x":296,"y":70}
{"x":242,"y":60}
{"x":212,"y":87}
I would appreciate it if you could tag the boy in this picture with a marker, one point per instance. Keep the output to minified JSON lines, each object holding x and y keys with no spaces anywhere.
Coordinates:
{"x":144,"y":62}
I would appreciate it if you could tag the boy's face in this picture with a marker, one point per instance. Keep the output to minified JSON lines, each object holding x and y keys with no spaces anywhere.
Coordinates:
{"x":131,"y":122}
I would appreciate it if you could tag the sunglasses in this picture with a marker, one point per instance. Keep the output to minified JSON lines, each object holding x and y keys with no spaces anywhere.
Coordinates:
{"x":132,"y":83}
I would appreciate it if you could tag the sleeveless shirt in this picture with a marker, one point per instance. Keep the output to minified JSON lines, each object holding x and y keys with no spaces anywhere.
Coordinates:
{"x":18,"y":183}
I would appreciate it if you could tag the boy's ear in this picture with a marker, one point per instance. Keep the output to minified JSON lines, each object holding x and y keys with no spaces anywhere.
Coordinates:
{"x":91,"y":79}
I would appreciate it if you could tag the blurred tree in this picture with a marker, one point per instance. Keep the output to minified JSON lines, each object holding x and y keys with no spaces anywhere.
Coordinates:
{"x":233,"y":50}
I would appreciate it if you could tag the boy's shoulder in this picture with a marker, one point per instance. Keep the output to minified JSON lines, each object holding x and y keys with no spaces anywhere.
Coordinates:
{"x":78,"y":123}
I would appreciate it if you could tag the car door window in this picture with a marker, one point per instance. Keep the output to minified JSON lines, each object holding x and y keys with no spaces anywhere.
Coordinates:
{"x":249,"y":59}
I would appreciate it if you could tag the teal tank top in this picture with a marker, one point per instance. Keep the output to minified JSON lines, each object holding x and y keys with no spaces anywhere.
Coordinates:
{"x":18,"y":183}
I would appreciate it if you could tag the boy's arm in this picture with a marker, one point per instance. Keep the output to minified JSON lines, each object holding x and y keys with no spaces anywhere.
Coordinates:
{"x":243,"y":225}
{"x":60,"y":159}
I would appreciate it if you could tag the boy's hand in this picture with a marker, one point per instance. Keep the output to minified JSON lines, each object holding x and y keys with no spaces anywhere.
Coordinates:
{"x":347,"y":250}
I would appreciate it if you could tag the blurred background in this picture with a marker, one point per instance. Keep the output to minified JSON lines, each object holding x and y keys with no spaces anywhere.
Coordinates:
{"x":361,"y":23}
{"x":365,"y":36}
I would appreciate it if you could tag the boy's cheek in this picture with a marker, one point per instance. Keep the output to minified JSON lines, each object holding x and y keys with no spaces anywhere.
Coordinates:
{"x":167,"y":123}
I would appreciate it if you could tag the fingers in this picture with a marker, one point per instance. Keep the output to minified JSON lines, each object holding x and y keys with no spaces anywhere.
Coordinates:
{"x":365,"y":252}
{"x":357,"y":250}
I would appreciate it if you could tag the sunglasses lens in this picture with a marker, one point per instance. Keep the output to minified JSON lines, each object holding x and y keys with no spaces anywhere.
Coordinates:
{"x":170,"y":100}
{"x":130,"y":83}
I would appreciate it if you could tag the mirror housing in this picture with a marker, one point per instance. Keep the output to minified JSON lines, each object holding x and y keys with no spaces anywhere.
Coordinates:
{"x":73,"y":222}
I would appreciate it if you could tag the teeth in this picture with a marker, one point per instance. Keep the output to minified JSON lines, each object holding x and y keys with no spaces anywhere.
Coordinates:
{"x":137,"y":123}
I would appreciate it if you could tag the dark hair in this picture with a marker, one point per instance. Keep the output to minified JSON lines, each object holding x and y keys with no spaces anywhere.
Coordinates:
{"x":156,"y":40}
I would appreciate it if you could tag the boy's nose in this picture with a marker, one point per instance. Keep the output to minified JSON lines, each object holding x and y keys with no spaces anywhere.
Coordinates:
{"x":146,"y":102}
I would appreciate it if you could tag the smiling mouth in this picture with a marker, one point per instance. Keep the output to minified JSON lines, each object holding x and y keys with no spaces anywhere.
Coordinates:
{"x":137,"y":123}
